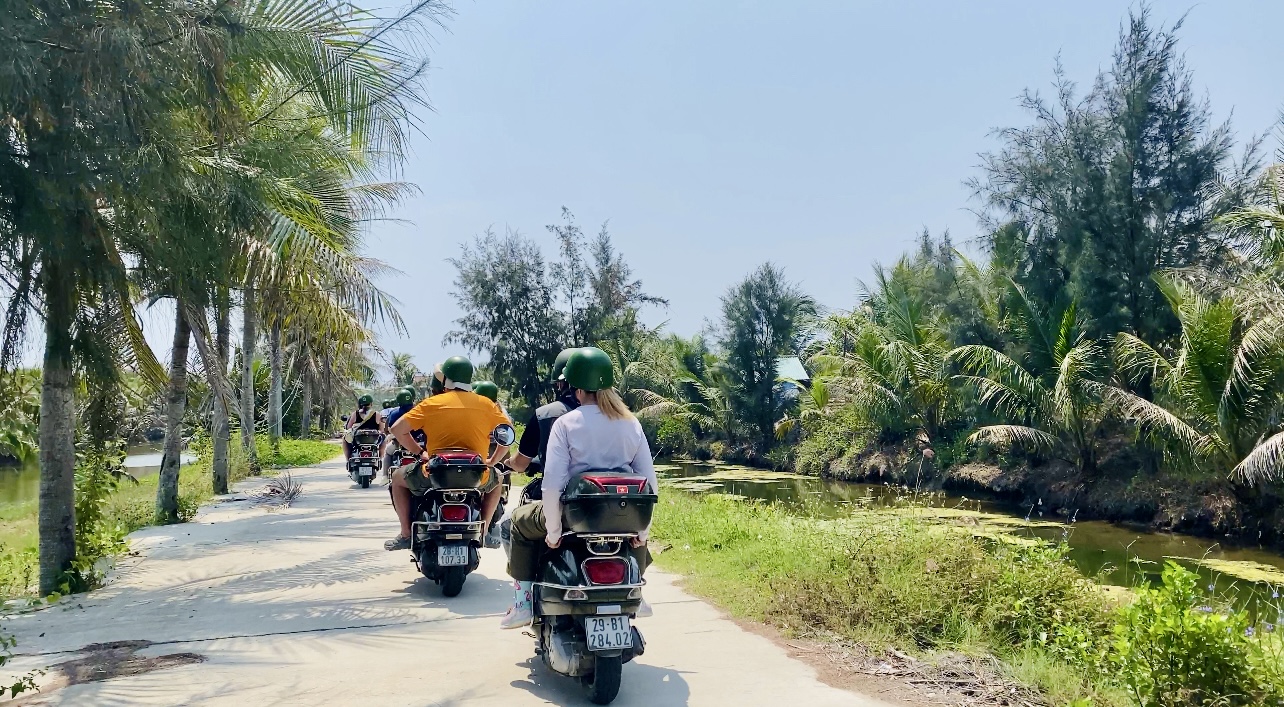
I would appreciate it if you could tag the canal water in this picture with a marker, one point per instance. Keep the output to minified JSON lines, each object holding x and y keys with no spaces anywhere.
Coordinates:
{"x":1115,"y":554}
{"x":19,"y":484}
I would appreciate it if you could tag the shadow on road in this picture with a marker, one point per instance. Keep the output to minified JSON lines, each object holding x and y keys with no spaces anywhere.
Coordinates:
{"x":642,"y":684}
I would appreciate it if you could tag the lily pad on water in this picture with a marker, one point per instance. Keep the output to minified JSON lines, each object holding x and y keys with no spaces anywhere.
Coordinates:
{"x":1246,"y":570}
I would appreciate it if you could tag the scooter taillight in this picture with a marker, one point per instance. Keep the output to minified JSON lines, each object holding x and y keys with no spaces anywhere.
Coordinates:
{"x":367,"y":453}
{"x":454,"y":513}
{"x":606,"y":570}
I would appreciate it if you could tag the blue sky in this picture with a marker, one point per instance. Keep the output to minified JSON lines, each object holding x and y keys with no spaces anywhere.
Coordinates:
{"x":822,"y":136}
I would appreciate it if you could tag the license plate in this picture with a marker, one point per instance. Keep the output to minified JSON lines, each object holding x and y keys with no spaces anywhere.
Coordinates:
{"x":607,"y":633}
{"x":366,"y":471}
{"x":452,"y":555}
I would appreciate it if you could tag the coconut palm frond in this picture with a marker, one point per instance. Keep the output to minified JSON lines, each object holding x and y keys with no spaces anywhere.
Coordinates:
{"x":1008,"y":436}
{"x":1264,"y":463}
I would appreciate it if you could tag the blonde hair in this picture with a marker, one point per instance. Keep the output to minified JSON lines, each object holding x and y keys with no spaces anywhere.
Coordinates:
{"x":612,"y":405}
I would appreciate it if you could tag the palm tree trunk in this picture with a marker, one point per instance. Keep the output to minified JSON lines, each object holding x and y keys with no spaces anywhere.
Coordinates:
{"x":249,"y":330}
{"x":274,"y":396}
{"x":327,"y":395}
{"x":175,"y":404}
{"x":222,"y":430}
{"x":305,"y":415}
{"x":57,"y":433}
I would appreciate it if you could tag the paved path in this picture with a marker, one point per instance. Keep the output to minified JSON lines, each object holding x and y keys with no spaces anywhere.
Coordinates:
{"x":304,"y":607}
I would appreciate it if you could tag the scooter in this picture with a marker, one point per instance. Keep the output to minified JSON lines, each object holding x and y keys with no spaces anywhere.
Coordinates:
{"x":446,"y":523}
{"x":364,"y":460}
{"x":591,"y":585}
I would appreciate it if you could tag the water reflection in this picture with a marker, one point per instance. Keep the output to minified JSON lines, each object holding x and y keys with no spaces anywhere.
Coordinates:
{"x":1116,"y":554}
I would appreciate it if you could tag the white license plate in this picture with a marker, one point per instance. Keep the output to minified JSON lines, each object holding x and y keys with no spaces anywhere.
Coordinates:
{"x":452,"y":555}
{"x":366,"y":471}
{"x":607,"y":633}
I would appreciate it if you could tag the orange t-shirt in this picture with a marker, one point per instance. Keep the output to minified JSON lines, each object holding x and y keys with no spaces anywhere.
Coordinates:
{"x":456,"y":419}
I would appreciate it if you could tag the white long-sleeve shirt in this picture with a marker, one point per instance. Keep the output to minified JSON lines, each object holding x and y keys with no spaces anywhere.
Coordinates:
{"x":582,"y":440}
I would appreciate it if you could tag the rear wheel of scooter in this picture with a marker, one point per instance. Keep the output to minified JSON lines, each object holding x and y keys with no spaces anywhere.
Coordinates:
{"x":604,"y":684}
{"x":365,"y":482}
{"x":452,"y":581}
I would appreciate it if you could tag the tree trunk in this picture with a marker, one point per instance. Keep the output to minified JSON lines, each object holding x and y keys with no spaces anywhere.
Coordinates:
{"x":175,"y":404}
{"x":305,"y":415}
{"x":57,"y":433}
{"x":274,"y":396}
{"x":222,"y":430}
{"x":249,"y":330}
{"x":327,"y":395}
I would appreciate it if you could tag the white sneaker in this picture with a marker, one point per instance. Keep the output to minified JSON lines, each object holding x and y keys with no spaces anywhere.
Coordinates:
{"x":517,"y":617}
{"x":644,"y":610}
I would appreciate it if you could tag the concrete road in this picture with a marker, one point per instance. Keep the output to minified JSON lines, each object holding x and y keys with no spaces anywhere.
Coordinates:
{"x":304,"y":607}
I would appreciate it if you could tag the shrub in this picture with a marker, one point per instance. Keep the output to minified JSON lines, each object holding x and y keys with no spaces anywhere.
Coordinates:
{"x":1171,"y":648}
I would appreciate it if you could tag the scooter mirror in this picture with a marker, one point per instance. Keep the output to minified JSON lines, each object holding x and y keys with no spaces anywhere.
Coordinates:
{"x":504,"y":435}
{"x":343,"y":417}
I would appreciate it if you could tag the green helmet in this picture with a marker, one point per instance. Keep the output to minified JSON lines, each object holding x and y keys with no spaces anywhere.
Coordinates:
{"x":487,"y":389}
{"x":365,"y":401}
{"x":458,"y":369}
{"x":409,"y":390}
{"x":437,"y":385}
{"x":559,"y":363}
{"x":387,"y":403}
{"x":404,"y":397}
{"x":589,"y":369}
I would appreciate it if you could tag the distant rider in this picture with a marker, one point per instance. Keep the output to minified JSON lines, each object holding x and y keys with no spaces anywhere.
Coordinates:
{"x":454,"y":419}
{"x":600,"y":434}
{"x":366,"y":417}
{"x":405,"y":400}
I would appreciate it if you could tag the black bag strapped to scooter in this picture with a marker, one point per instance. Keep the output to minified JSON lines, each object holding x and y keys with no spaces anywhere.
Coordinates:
{"x":604,"y":502}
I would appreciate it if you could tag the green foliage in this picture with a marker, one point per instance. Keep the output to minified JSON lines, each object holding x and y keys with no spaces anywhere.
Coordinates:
{"x":1220,"y":392}
{"x":99,"y":471}
{"x":1106,"y":190}
{"x":886,"y":359}
{"x":1170,"y":650}
{"x":19,"y":413}
{"x":763,"y":317}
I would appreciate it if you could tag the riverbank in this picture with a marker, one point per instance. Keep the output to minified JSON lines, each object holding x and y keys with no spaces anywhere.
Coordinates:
{"x":934,"y":591}
{"x":133,"y":505}
{"x":1124,"y":489}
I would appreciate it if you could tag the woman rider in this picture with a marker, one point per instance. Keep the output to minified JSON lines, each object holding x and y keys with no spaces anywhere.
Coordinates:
{"x":365,"y":418}
{"x":600,"y":434}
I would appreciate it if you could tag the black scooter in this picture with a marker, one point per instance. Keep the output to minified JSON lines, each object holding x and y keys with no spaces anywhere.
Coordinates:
{"x":446,"y":523}
{"x":364,"y":460}
{"x":591,"y":586}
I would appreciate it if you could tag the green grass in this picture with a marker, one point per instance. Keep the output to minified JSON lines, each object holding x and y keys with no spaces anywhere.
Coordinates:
{"x":888,"y":582}
{"x":133,"y":506}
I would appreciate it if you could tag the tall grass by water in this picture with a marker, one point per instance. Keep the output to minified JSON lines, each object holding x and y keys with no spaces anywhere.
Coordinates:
{"x":885,"y":580}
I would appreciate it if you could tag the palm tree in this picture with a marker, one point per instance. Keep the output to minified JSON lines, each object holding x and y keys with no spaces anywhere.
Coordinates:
{"x":888,"y":359}
{"x":404,"y":369}
{"x":1055,"y":404}
{"x":1221,"y":392}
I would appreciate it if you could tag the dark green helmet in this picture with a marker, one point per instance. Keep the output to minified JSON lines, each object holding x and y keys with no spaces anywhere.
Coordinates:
{"x":404,"y":397}
{"x":458,"y":369}
{"x":589,"y":369}
{"x":559,"y":364}
{"x":387,"y":403}
{"x":365,"y":401}
{"x":486,"y":389}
